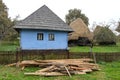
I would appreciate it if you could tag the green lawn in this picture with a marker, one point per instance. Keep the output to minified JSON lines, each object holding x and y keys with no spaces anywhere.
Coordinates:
{"x":109,"y":71}
{"x":114,"y":48}
{"x":8,"y":47}
{"x":72,"y":49}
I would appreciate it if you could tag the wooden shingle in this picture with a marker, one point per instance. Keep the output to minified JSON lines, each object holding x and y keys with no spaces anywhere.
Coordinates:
{"x":43,"y":19}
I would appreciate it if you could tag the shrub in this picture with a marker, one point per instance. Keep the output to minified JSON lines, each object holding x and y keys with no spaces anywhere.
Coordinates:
{"x":104,"y":36}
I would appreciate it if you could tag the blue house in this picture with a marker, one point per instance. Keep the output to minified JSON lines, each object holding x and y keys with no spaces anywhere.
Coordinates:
{"x":43,"y":30}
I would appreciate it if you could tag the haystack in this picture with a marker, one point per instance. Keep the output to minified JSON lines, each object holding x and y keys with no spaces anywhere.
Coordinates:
{"x":97,"y":29}
{"x":80,"y":30}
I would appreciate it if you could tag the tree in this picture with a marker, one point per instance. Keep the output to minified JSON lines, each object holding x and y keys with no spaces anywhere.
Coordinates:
{"x":118,"y":38}
{"x":118,"y":27}
{"x":6,"y":24}
{"x":74,"y":14}
{"x":104,"y":36}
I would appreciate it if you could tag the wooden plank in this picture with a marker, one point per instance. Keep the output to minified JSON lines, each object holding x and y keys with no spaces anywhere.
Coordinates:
{"x":13,"y":64}
{"x":68,"y":71}
{"x":87,"y":70}
{"x":46,"y":69}
{"x":46,"y":74}
{"x":79,"y":72}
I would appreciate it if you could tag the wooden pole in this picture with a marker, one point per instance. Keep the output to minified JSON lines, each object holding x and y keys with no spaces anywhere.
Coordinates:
{"x":68,"y":71}
{"x":94,"y":58}
{"x":93,"y":54}
{"x":17,"y":56}
{"x":68,"y":54}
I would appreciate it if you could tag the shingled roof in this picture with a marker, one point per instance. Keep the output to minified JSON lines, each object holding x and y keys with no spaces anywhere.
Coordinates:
{"x":45,"y":19}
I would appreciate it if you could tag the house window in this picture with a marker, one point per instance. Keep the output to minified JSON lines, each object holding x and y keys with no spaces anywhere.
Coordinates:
{"x":51,"y":37}
{"x":40,"y":36}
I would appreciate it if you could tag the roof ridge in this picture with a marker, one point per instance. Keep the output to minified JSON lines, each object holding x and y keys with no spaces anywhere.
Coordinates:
{"x":35,"y":11}
{"x":44,"y":16}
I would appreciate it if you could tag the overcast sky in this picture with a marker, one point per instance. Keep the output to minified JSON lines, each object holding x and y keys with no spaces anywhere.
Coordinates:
{"x":96,"y":10}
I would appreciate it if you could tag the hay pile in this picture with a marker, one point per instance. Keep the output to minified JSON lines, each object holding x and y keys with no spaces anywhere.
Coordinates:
{"x":80,"y":30}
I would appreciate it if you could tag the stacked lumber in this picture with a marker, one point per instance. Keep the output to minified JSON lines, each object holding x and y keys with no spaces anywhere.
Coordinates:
{"x":60,"y":67}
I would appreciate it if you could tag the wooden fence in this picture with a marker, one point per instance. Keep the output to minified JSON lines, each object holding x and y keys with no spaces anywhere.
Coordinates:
{"x":11,"y":57}
{"x":7,"y":57}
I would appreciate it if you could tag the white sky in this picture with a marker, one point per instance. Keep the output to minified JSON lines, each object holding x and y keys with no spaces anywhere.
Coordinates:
{"x":96,"y":10}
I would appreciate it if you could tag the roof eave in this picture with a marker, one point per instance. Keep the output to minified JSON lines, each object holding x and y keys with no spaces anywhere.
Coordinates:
{"x":64,"y":30}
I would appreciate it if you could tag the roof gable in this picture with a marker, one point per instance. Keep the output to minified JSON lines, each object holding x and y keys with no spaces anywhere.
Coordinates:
{"x":43,"y":18}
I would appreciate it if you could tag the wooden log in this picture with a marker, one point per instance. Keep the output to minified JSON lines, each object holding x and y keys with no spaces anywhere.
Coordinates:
{"x":50,"y":62}
{"x":77,"y":68}
{"x":79,"y":72}
{"x":46,"y":74}
{"x":13,"y":64}
{"x":87,"y":70}
{"x":68,"y":71}
{"x":59,"y":67}
{"x":46,"y":69}
{"x":77,"y":64}
{"x":23,"y":67}
{"x":29,"y":62}
{"x":65,"y":61}
{"x":89,"y":65}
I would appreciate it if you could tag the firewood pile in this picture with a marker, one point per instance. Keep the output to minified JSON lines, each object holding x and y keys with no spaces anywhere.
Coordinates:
{"x":60,"y":67}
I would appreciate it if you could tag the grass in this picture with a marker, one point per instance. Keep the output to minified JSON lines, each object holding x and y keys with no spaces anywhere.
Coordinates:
{"x":110,"y":48}
{"x":8,"y":46}
{"x":109,"y":71}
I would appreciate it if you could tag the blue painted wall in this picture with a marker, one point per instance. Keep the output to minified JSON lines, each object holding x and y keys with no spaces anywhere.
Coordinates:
{"x":28,"y":40}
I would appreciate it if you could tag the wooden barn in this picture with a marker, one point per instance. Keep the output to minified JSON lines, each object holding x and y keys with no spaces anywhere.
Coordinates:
{"x":43,"y":30}
{"x":81,"y":34}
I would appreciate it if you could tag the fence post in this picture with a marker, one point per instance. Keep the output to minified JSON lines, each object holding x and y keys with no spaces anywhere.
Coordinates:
{"x":21,"y":54}
{"x":68,"y":54}
{"x":17,"y":56}
{"x":94,"y":57}
{"x":43,"y":55}
{"x":105,"y":57}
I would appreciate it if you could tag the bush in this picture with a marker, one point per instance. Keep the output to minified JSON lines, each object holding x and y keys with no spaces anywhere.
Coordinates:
{"x":10,"y":42}
{"x":104,"y":36}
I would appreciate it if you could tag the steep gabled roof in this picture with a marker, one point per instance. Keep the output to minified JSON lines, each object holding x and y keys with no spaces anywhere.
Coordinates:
{"x":45,"y":19}
{"x":80,"y":30}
